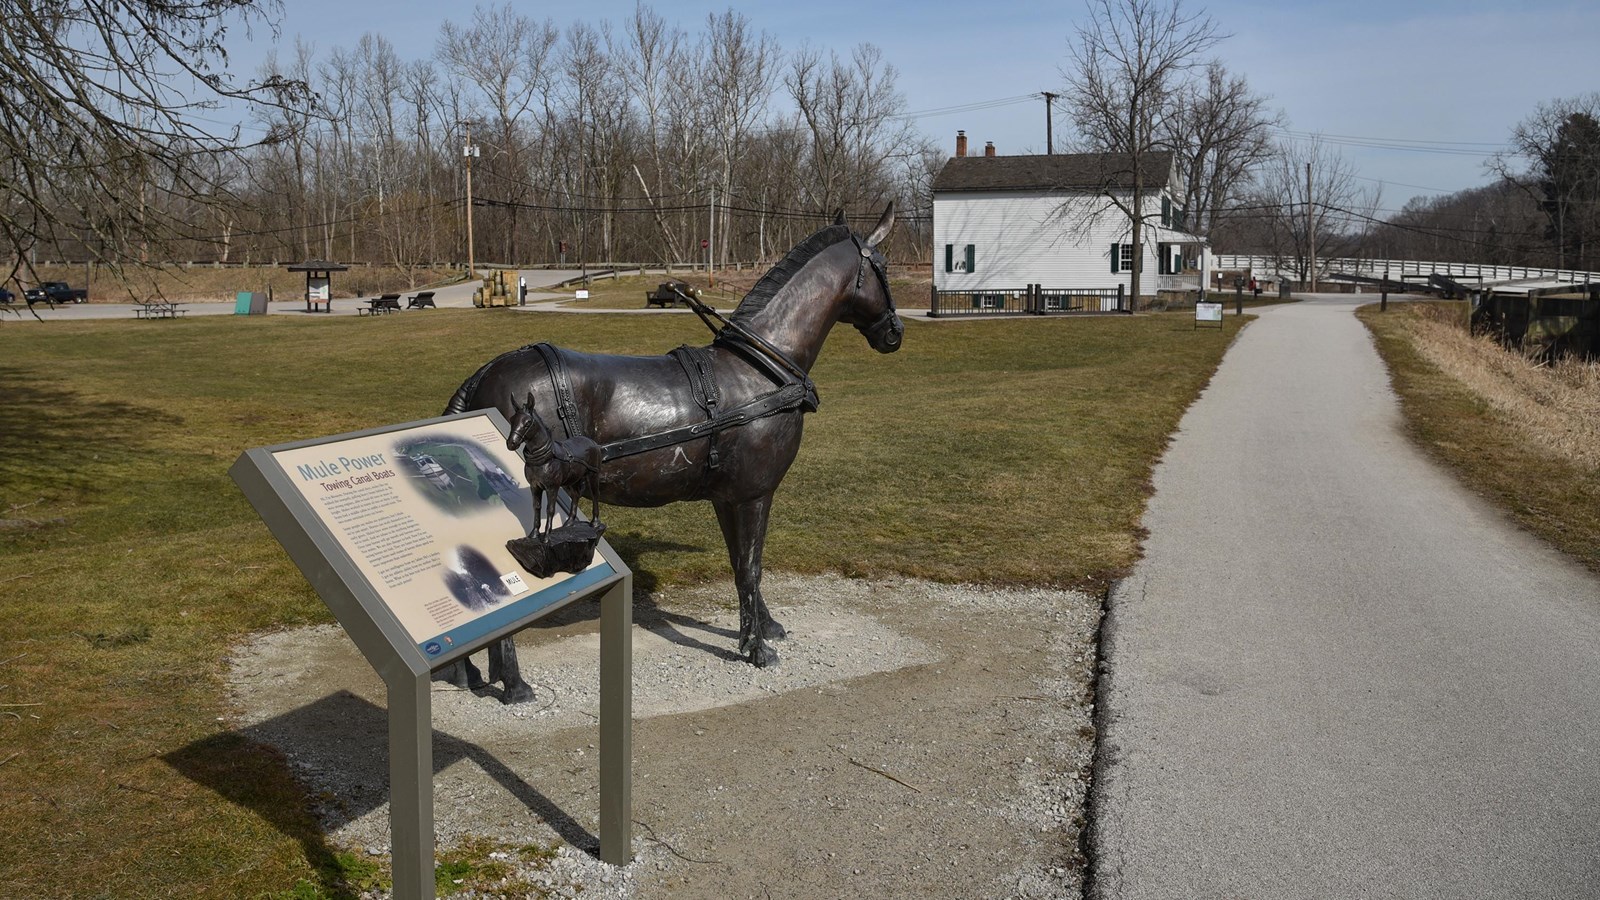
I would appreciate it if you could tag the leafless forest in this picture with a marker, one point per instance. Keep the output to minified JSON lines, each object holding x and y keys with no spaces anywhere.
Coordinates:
{"x":641,"y":141}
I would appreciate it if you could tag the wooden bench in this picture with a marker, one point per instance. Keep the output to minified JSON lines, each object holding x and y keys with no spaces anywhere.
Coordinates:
{"x":420,"y":300}
{"x":666,"y":294}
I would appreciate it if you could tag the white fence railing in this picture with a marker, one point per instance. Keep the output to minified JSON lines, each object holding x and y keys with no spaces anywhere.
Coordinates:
{"x":1401,"y":268}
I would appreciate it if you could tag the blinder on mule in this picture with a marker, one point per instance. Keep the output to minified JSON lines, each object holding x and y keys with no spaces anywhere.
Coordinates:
{"x":883,"y":332}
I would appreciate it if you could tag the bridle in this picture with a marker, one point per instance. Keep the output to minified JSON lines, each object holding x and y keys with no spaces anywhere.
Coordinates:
{"x":878,"y":331}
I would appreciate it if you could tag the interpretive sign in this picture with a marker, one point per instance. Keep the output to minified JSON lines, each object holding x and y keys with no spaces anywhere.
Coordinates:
{"x":402,"y":531}
{"x":424,"y":514}
{"x":318,"y":289}
{"x":1208,"y":312}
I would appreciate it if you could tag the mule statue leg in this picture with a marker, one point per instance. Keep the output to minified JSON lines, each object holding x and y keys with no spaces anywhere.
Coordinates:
{"x":463,"y":674}
{"x":744,"y":529}
{"x":503,"y":668}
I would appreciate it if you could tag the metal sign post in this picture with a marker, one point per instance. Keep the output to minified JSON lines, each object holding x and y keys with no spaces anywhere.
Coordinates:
{"x":401,"y":531}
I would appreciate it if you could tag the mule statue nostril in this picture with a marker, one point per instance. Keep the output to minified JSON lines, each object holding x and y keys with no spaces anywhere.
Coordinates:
{"x":891,"y":341}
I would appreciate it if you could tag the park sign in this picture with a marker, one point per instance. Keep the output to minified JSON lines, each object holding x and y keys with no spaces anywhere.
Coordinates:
{"x":1208,"y":312}
{"x":402,"y":530}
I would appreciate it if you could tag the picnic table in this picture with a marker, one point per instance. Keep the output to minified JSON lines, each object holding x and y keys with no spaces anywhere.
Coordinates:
{"x":387,"y":303}
{"x":159,"y":309}
{"x":420,"y":300}
{"x":666,"y":294}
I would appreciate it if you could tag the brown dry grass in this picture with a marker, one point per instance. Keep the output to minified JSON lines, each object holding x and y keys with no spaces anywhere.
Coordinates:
{"x":1553,"y":405}
{"x":1524,"y":435}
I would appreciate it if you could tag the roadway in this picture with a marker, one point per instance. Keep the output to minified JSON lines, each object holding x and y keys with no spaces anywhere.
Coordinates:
{"x":1337,"y":673}
{"x":540,"y":287}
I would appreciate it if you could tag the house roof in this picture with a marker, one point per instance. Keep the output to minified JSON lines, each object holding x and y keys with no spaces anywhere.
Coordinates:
{"x":1061,"y":171}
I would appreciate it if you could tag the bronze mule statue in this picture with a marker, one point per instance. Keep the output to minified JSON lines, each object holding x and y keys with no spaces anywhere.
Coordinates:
{"x":719,"y":423}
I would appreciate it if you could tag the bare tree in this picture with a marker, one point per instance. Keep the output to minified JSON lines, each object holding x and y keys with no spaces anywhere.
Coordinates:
{"x":1273,"y":219}
{"x":851,"y":109}
{"x":1220,"y":131}
{"x":1125,"y":62}
{"x":653,"y":46}
{"x":741,"y":67}
{"x":98,"y":135}
{"x":1555,"y":159}
{"x":507,"y":57}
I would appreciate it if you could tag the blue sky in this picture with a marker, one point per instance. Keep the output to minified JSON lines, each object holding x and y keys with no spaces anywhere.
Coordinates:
{"x":1449,"y":78}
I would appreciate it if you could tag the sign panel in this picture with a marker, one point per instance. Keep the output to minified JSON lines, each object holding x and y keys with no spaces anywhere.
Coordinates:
{"x":582,"y":294}
{"x":317,"y":289}
{"x":422,"y":512}
{"x":1208,"y":312}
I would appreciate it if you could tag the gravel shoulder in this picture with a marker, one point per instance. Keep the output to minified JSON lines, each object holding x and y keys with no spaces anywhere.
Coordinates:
{"x":916,"y":740}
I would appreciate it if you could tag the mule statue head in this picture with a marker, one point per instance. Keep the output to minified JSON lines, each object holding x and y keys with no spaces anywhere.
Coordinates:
{"x":529,"y":430}
{"x":869,"y":307}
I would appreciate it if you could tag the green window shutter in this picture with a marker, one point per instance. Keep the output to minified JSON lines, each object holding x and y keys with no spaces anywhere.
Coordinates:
{"x":1116,"y":258}
{"x":1166,"y":211}
{"x":949,"y":257}
{"x":971,"y":259}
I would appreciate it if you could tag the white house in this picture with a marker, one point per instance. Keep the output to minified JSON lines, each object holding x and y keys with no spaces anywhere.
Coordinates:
{"x":1001,"y":223}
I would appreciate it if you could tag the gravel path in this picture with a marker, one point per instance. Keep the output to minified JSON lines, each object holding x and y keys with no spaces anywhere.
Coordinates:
{"x":1336,"y":673}
{"x":916,"y":739}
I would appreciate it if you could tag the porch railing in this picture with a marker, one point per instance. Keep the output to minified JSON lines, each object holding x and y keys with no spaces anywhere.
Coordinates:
{"x":1032,"y":300}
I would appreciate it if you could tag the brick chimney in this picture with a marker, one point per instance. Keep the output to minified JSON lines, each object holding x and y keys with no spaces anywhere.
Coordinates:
{"x":988,"y":149}
{"x":961,"y":143}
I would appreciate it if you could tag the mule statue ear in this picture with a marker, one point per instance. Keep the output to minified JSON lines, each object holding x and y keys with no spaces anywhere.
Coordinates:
{"x":838,"y":217}
{"x":885,"y":224}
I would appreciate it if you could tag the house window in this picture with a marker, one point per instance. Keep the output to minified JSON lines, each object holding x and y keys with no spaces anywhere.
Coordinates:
{"x":963,"y":262}
{"x":1122,"y":257}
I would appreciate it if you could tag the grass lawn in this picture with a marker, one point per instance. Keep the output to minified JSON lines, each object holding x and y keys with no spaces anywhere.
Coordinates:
{"x":1525,"y":436}
{"x":1007,"y":452}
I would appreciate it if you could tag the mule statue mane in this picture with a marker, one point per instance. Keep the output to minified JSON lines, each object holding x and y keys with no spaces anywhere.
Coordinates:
{"x":780,"y":274}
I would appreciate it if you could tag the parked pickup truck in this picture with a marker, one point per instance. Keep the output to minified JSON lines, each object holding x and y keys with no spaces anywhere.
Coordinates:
{"x":53,"y":292}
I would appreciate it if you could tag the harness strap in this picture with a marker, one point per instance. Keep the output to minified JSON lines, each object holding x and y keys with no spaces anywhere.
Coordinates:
{"x":696,"y":363}
{"x":790,"y":396}
{"x":566,"y":406}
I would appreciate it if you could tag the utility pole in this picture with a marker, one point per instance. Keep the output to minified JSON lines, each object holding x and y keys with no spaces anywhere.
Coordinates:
{"x":1311,"y":232}
{"x":469,"y":152}
{"x":1049,"y":130}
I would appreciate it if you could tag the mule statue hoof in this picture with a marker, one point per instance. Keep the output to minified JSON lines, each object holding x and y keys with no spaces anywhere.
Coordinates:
{"x":773,"y":631}
{"x":762,"y":655}
{"x":521,"y":693}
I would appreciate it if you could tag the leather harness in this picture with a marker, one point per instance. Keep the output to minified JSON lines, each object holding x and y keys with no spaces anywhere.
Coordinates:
{"x":794,"y":390}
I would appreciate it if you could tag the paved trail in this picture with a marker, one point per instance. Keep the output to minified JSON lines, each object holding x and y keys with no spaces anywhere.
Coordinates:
{"x":1336,"y":673}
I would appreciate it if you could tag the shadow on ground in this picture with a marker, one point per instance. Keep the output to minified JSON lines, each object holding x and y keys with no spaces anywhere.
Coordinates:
{"x":356,"y":730}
